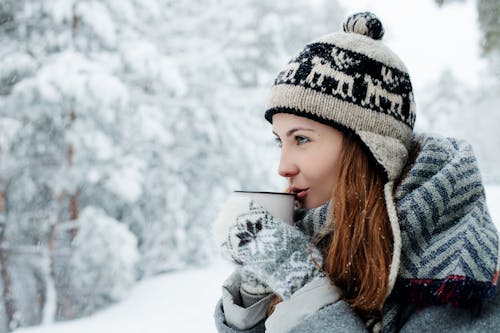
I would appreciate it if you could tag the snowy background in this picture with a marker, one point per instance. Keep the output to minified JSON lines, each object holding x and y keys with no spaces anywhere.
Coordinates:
{"x":177,"y":302}
{"x":125,"y":124}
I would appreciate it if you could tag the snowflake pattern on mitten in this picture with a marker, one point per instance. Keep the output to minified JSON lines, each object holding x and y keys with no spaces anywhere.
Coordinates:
{"x":279,"y":254}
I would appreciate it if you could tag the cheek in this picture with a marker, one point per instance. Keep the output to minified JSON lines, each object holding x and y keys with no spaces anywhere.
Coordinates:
{"x":327,"y":161}
{"x":326,"y":174}
{"x":323,"y":171}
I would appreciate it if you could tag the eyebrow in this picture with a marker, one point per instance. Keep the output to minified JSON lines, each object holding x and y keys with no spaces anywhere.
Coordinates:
{"x":293,"y":130}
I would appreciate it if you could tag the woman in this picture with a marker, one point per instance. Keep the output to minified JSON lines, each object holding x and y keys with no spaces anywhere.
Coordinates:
{"x":393,"y":233}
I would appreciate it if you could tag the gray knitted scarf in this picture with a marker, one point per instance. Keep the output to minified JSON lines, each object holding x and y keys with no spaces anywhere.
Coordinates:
{"x":449,"y":251}
{"x":449,"y":245}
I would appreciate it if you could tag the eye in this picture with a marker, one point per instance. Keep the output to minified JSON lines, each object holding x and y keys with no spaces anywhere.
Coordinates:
{"x":300,"y":140}
{"x":277,"y":141}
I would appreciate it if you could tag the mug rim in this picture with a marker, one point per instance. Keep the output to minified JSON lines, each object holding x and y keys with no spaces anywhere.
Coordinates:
{"x":264,"y":192}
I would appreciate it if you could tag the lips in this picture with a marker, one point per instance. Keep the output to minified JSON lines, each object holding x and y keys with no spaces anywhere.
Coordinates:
{"x":299,"y":192}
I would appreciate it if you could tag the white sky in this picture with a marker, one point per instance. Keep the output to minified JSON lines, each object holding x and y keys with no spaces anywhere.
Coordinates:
{"x":429,"y":39}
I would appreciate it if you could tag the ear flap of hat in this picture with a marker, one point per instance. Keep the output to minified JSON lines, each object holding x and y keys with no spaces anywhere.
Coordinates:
{"x":391,"y":153}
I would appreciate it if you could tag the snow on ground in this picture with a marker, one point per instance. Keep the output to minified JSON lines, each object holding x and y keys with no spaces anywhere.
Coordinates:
{"x":169,"y":303}
{"x":176,"y":302}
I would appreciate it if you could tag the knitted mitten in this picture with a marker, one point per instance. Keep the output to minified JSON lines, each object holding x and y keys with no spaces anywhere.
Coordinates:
{"x":279,"y":254}
{"x":252,"y":285}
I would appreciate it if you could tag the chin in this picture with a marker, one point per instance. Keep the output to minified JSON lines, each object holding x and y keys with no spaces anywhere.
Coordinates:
{"x":313,"y":203}
{"x":309,"y":205}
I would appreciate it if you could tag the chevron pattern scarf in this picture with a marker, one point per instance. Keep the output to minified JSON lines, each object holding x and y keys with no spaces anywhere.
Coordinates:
{"x":449,"y":245}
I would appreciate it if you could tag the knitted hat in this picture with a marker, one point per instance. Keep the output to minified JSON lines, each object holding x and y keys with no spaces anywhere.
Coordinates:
{"x":351,"y":80}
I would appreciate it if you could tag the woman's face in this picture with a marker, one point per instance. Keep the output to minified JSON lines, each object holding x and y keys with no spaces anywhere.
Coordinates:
{"x":309,"y":157}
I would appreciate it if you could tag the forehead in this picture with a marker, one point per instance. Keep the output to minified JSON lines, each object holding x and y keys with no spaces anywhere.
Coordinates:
{"x":285,"y":120}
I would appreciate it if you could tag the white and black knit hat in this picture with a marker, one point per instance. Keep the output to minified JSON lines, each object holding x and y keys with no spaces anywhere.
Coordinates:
{"x":351,"y":80}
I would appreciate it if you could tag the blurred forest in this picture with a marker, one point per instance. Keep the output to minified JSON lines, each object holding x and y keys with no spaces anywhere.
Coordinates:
{"x":124,"y":125}
{"x":455,"y":108}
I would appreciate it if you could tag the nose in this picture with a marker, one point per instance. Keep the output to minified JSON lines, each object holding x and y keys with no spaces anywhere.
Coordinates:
{"x":287,"y":167}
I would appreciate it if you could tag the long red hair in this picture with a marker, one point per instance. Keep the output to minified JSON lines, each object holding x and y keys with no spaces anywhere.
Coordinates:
{"x":358,"y":254}
{"x":358,"y":257}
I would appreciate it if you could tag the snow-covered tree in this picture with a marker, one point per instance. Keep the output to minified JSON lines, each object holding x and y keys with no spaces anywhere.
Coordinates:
{"x":489,"y":26}
{"x":129,"y":115}
{"x":83,"y":112}
{"x":101,"y":266}
{"x":229,"y":54}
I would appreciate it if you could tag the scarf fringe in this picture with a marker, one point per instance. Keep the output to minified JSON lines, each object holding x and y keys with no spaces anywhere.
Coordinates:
{"x":456,"y":290}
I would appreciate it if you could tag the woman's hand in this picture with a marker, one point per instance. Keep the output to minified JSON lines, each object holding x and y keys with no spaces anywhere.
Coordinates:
{"x":278,"y":254}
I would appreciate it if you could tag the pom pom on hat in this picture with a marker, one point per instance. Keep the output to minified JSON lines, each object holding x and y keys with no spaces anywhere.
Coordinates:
{"x":365,"y":23}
